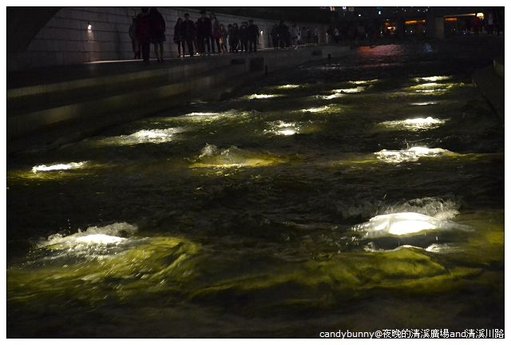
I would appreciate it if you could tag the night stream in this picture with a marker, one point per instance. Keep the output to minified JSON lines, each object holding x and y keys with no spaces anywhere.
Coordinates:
{"x":356,"y":194}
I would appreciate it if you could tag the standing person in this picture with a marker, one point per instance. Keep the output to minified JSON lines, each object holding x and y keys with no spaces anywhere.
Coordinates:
{"x":294,"y":35}
{"x":143,"y":31}
{"x":179,"y":38}
{"x":135,"y":44}
{"x":188,"y":30}
{"x":283,"y":33}
{"x":253,"y":36}
{"x":204,"y":31}
{"x":216,"y":35}
{"x":234,"y":38}
{"x":275,"y":36}
{"x":316,"y":35}
{"x":157,"y":25}
{"x":223,"y":39}
{"x":244,"y":37}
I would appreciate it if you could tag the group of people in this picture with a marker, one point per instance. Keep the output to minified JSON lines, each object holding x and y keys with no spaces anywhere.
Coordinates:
{"x":207,"y":35}
{"x":282,"y":36}
{"x":147,"y":28}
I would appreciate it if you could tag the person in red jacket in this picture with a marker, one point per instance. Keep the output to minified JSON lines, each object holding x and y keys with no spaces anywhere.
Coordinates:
{"x":143,"y":32}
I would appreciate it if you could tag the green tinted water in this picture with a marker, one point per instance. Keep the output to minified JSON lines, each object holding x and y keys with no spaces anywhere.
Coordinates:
{"x":254,"y":216}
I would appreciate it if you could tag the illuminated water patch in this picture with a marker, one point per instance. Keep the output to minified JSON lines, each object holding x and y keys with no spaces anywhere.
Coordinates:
{"x":332,"y":96}
{"x":262,"y":96}
{"x":283,"y":128}
{"x":424,"y":103}
{"x":431,"y":87}
{"x":404,"y":224}
{"x":93,"y":243}
{"x":233,"y":157}
{"x":287,"y":86}
{"x":317,"y":109}
{"x":363,"y":82}
{"x":419,"y":123}
{"x":357,"y":89}
{"x":433,"y":78}
{"x":144,"y":136}
{"x":58,"y":167}
{"x":411,"y":154}
{"x":200,"y":114}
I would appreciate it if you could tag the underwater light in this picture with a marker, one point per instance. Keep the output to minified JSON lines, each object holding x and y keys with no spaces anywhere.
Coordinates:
{"x":398,"y":224}
{"x":100,"y":239}
{"x":424,"y":103}
{"x":316,"y":109}
{"x":144,"y":136}
{"x":202,"y":114}
{"x":286,"y":131}
{"x":415,"y":124}
{"x":288,"y":86}
{"x":332,"y":96}
{"x":363,"y":82}
{"x":433,"y":78}
{"x":349,"y":90}
{"x":411,"y":154}
{"x":152,"y":134}
{"x":261,"y":96}
{"x":58,"y":167}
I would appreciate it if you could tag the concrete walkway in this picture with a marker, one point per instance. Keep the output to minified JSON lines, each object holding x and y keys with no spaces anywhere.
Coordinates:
{"x":52,"y":106}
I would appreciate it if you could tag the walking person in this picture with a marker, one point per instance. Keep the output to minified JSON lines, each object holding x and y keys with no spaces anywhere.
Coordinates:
{"x":188,"y":31}
{"x":157,"y":29}
{"x":179,"y":38}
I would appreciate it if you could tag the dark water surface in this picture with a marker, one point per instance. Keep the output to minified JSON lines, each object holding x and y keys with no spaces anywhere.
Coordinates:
{"x":361,"y":194}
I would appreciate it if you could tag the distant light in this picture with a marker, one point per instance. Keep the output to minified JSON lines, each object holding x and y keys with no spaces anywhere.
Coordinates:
{"x":359,"y":15}
{"x":89,"y":27}
{"x":379,"y":13}
{"x":261,"y":32}
{"x":480,"y":15}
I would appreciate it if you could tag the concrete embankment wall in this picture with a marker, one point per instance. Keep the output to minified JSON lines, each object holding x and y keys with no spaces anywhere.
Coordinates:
{"x":490,"y":81}
{"x":66,"y":37}
{"x":51,"y":113}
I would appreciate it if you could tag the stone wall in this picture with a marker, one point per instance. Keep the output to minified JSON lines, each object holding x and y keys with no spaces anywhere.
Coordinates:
{"x":66,"y":38}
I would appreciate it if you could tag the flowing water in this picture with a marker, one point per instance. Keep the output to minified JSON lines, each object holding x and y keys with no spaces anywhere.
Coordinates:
{"x":358,"y":194}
